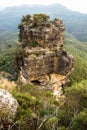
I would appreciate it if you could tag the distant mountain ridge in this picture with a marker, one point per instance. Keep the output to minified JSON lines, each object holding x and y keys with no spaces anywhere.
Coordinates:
{"x":75,"y":22}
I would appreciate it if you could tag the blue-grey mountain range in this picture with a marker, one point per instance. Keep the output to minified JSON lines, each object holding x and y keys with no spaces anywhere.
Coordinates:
{"x":75,"y":22}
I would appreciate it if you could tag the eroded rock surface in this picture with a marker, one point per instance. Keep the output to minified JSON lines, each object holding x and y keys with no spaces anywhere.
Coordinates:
{"x":8,"y":106}
{"x":40,"y":56}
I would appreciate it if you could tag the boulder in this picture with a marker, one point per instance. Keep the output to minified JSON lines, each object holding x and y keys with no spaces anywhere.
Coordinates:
{"x":8,"y":106}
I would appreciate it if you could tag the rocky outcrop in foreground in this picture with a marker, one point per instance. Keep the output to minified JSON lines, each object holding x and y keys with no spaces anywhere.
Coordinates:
{"x":8,"y":107}
{"x":41,"y":58}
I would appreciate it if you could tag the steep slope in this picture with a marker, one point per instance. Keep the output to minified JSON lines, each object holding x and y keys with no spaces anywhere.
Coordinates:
{"x":79,"y":51}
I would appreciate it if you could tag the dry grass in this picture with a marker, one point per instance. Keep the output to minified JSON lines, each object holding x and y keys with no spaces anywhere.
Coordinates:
{"x":6,"y":84}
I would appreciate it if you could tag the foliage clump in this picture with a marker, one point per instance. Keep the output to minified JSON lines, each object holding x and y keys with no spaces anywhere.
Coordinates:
{"x":34,"y":105}
{"x":33,"y":20}
{"x":80,"y":121}
{"x":40,"y":18}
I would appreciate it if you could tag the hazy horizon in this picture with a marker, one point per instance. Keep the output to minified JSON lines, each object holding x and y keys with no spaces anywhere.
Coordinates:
{"x":74,"y":5}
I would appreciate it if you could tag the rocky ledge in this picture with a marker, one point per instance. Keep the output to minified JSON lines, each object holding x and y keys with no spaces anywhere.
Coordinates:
{"x":41,"y":58}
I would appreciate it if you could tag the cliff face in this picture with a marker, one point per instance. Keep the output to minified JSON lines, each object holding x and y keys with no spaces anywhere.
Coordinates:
{"x":40,"y":56}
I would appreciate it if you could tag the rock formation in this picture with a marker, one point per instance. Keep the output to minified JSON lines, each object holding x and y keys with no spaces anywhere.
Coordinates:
{"x":8,"y":107}
{"x":40,"y":55}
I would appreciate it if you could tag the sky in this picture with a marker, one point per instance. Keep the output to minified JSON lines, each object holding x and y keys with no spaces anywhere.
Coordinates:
{"x":75,"y":5}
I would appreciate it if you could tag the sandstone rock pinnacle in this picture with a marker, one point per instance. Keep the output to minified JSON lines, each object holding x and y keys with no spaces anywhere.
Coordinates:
{"x":41,"y":58}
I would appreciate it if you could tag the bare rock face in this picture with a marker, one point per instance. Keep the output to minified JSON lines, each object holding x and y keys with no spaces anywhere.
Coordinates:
{"x":40,"y":56}
{"x":8,"y":106}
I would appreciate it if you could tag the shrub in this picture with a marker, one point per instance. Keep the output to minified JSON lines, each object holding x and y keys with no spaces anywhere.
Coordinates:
{"x":80,"y":121}
{"x":34,"y":44}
